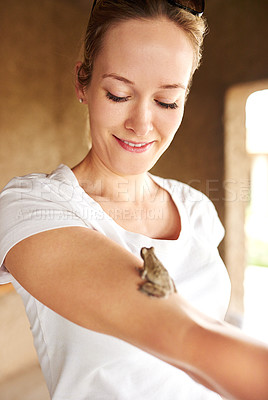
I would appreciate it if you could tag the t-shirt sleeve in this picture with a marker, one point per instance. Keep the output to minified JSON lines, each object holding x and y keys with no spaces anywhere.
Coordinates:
{"x":30,"y":205}
{"x":209,"y":224}
{"x":204,"y":218}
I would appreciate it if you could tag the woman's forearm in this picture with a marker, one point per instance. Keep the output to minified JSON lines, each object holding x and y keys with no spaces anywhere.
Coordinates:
{"x":224,"y":359}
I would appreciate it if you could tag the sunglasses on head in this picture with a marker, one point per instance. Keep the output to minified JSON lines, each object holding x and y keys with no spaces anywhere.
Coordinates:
{"x":195,"y":7}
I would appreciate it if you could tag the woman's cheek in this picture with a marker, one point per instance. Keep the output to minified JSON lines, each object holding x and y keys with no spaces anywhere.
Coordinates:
{"x":173,"y":121}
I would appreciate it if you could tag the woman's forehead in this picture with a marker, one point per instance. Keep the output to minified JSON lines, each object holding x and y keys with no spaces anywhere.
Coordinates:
{"x":155,"y":46}
{"x":157,"y":32}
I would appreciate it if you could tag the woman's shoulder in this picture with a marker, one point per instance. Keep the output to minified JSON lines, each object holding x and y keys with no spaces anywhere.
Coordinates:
{"x":39,"y":184}
{"x":40,"y":196}
{"x":61,"y":173}
{"x":35,"y":203}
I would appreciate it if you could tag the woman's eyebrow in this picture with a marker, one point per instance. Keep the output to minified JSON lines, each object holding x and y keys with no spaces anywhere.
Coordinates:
{"x":118,"y":77}
{"x":128,"y":82}
{"x":173,"y":86}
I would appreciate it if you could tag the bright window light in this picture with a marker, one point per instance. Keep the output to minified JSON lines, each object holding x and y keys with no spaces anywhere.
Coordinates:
{"x":256,"y":274}
{"x":257,"y":122}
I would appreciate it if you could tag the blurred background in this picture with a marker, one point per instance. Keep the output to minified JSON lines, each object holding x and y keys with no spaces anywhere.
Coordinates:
{"x":220,"y":149}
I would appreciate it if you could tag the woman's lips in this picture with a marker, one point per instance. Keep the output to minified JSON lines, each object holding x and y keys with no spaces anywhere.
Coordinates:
{"x":134,"y":147}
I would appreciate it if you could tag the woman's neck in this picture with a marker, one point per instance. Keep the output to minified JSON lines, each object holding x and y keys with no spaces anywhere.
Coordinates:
{"x":101,"y":183}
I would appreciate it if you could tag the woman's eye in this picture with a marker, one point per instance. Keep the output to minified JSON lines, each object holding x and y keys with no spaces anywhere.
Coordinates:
{"x":171,"y":106}
{"x":117,"y":99}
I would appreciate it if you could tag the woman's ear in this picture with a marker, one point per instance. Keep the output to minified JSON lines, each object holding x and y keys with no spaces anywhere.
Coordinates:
{"x":79,"y":89}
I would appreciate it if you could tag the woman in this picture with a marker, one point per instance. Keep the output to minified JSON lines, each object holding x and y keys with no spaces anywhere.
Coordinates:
{"x":71,"y":240}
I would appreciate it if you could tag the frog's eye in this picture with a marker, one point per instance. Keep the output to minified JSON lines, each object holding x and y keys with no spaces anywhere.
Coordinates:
{"x":144,"y":250}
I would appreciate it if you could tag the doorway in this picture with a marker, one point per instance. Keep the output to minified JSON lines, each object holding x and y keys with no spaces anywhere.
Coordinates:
{"x":246,"y":205}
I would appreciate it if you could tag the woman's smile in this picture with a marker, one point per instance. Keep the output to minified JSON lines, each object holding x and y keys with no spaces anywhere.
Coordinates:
{"x":134,"y":147}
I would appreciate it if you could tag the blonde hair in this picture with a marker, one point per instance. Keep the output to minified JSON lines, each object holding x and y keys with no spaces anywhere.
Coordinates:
{"x":108,"y":13}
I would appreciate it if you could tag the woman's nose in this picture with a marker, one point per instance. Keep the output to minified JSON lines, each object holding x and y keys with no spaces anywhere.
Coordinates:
{"x":140,"y":120}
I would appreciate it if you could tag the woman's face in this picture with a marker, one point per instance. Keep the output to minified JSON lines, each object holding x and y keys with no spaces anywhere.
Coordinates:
{"x":137,"y":93}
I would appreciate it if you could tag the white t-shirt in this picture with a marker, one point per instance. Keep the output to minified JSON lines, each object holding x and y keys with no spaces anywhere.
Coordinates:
{"x":79,"y":364}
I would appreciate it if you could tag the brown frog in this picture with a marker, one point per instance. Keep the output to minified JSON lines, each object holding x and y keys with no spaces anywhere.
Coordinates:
{"x":158,"y":282}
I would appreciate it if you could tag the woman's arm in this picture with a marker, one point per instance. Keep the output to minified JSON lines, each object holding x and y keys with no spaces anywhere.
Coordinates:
{"x":227,"y":360}
{"x":92,"y":281}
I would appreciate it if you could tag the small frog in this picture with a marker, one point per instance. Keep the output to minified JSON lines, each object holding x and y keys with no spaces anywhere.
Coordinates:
{"x":158,"y":282}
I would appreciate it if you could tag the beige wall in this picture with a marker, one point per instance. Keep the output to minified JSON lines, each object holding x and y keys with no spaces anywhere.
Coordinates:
{"x":42,"y":124}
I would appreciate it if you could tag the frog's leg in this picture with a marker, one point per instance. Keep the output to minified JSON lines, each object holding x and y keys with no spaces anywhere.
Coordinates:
{"x":174,"y":286}
{"x":143,"y":273}
{"x":152,"y":289}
